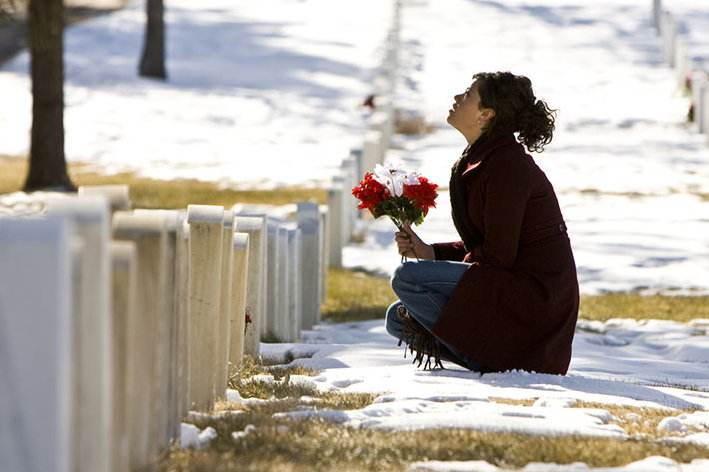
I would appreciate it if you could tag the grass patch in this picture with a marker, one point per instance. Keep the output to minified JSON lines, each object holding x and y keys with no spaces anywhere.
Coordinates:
{"x":269,"y":443}
{"x":168,"y":194}
{"x":639,"y":307}
{"x":355,"y":295}
{"x":345,"y":301}
{"x":316,"y":445}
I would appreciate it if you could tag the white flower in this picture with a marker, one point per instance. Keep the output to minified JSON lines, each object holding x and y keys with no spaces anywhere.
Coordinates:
{"x":394,"y":177}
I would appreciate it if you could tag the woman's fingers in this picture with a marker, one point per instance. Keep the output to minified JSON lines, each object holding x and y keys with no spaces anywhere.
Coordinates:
{"x":409,"y":244}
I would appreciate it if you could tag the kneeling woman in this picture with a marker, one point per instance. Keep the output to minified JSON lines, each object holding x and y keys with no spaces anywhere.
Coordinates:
{"x":506,"y":295}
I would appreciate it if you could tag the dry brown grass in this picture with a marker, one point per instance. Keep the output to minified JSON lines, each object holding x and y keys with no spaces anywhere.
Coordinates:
{"x":636,"y":306}
{"x":151,"y":193}
{"x":316,"y":445}
{"x":345,"y":300}
{"x":276,"y":443}
{"x":635,"y":421}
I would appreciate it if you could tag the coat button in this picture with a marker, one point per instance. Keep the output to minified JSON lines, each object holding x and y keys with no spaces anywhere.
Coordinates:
{"x":562,"y":227}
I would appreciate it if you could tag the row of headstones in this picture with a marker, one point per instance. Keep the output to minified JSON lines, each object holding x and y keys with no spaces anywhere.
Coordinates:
{"x":115,"y":323}
{"x":676,"y":54}
{"x":377,"y":139}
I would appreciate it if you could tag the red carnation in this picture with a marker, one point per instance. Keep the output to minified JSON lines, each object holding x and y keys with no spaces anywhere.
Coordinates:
{"x":370,"y":193}
{"x":423,"y":195}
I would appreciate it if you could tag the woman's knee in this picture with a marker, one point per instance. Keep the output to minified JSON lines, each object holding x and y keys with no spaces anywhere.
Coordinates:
{"x":403,"y":275}
{"x":392,"y":321}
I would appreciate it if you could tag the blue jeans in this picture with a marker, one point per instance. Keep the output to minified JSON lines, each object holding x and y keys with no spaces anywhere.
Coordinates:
{"x":424,"y":287}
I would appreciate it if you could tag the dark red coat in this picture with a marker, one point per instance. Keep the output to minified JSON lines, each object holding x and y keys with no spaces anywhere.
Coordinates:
{"x":517,"y":304}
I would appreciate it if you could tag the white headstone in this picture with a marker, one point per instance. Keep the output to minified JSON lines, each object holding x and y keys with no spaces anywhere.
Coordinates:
{"x":206,"y":234}
{"x":224,"y":327}
{"x":273,"y":288}
{"x":123,"y":281}
{"x":163,"y":398}
{"x":308,"y":217}
{"x":294,"y":279}
{"x":255,"y":227}
{"x":117,"y":195}
{"x":283,"y":294}
{"x":35,"y":345}
{"x":238,"y":304}
{"x":183,"y":311}
{"x":335,"y":235}
{"x":149,"y":233}
{"x":92,"y":335}
{"x":324,"y":250}
{"x":372,"y":150}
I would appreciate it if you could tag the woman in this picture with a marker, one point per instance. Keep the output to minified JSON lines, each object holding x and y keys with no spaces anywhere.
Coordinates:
{"x":506,"y":295}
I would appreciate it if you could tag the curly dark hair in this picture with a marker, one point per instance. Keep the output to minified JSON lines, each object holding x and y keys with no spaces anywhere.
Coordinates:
{"x":516,"y":108}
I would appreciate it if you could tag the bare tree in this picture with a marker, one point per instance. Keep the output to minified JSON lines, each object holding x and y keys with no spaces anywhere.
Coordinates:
{"x":45,"y":25}
{"x":152,"y":64}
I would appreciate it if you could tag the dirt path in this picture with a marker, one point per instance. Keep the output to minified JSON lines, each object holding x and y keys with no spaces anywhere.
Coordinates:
{"x":13,"y":32}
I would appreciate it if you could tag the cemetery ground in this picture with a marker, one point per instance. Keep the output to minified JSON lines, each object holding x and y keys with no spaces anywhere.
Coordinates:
{"x":251,"y":435}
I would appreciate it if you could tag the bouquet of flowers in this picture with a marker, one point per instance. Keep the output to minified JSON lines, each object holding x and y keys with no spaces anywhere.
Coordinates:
{"x":391,"y":191}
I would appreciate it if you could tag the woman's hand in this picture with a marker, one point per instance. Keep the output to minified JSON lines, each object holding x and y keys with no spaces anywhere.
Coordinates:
{"x":410,"y":245}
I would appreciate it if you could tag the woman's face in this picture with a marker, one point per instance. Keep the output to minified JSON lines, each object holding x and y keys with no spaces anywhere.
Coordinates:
{"x":466,"y":116}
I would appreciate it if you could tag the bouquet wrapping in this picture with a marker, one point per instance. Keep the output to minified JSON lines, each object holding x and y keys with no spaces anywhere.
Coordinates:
{"x":391,"y":191}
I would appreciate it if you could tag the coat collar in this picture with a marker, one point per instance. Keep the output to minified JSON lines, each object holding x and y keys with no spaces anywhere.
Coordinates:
{"x":480,"y":150}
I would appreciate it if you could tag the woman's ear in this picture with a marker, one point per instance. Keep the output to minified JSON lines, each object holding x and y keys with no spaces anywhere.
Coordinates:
{"x":487,"y":114}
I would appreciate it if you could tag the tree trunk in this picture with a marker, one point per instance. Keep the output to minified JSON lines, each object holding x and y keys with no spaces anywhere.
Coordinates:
{"x":47,"y":169}
{"x":152,"y":64}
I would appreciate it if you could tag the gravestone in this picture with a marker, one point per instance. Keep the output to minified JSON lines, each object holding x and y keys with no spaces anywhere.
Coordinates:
{"x":324,"y":251}
{"x":92,"y":336}
{"x":206,"y":235}
{"x":335,"y":223}
{"x":149,"y":233}
{"x":183,"y":310}
{"x":36,"y":357}
{"x":308,"y":218}
{"x":283,"y":294}
{"x":163,"y":401}
{"x":372,"y":150}
{"x":255,"y":227}
{"x":238,"y":304}
{"x":224,"y":327}
{"x":123,"y":308}
{"x":270,"y":331}
{"x":294,"y":279}
{"x":116,"y":195}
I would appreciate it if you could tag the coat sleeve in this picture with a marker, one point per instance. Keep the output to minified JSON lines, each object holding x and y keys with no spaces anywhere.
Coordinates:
{"x":454,"y":251}
{"x":506,"y":191}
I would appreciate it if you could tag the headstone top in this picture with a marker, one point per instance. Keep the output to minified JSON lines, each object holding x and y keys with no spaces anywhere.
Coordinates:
{"x":205,"y":214}
{"x":47,"y":229}
{"x":241,"y":240}
{"x":125,"y":222}
{"x":123,"y":254}
{"x":228,"y":219}
{"x":82,"y":210}
{"x":249,"y":223}
{"x":172,"y":217}
{"x":117,"y":195}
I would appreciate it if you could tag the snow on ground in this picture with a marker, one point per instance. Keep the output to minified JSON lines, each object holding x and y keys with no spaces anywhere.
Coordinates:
{"x":654,"y":364}
{"x":651,"y":464}
{"x":627,"y":170}
{"x":276,"y":82}
{"x":266,"y":94}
